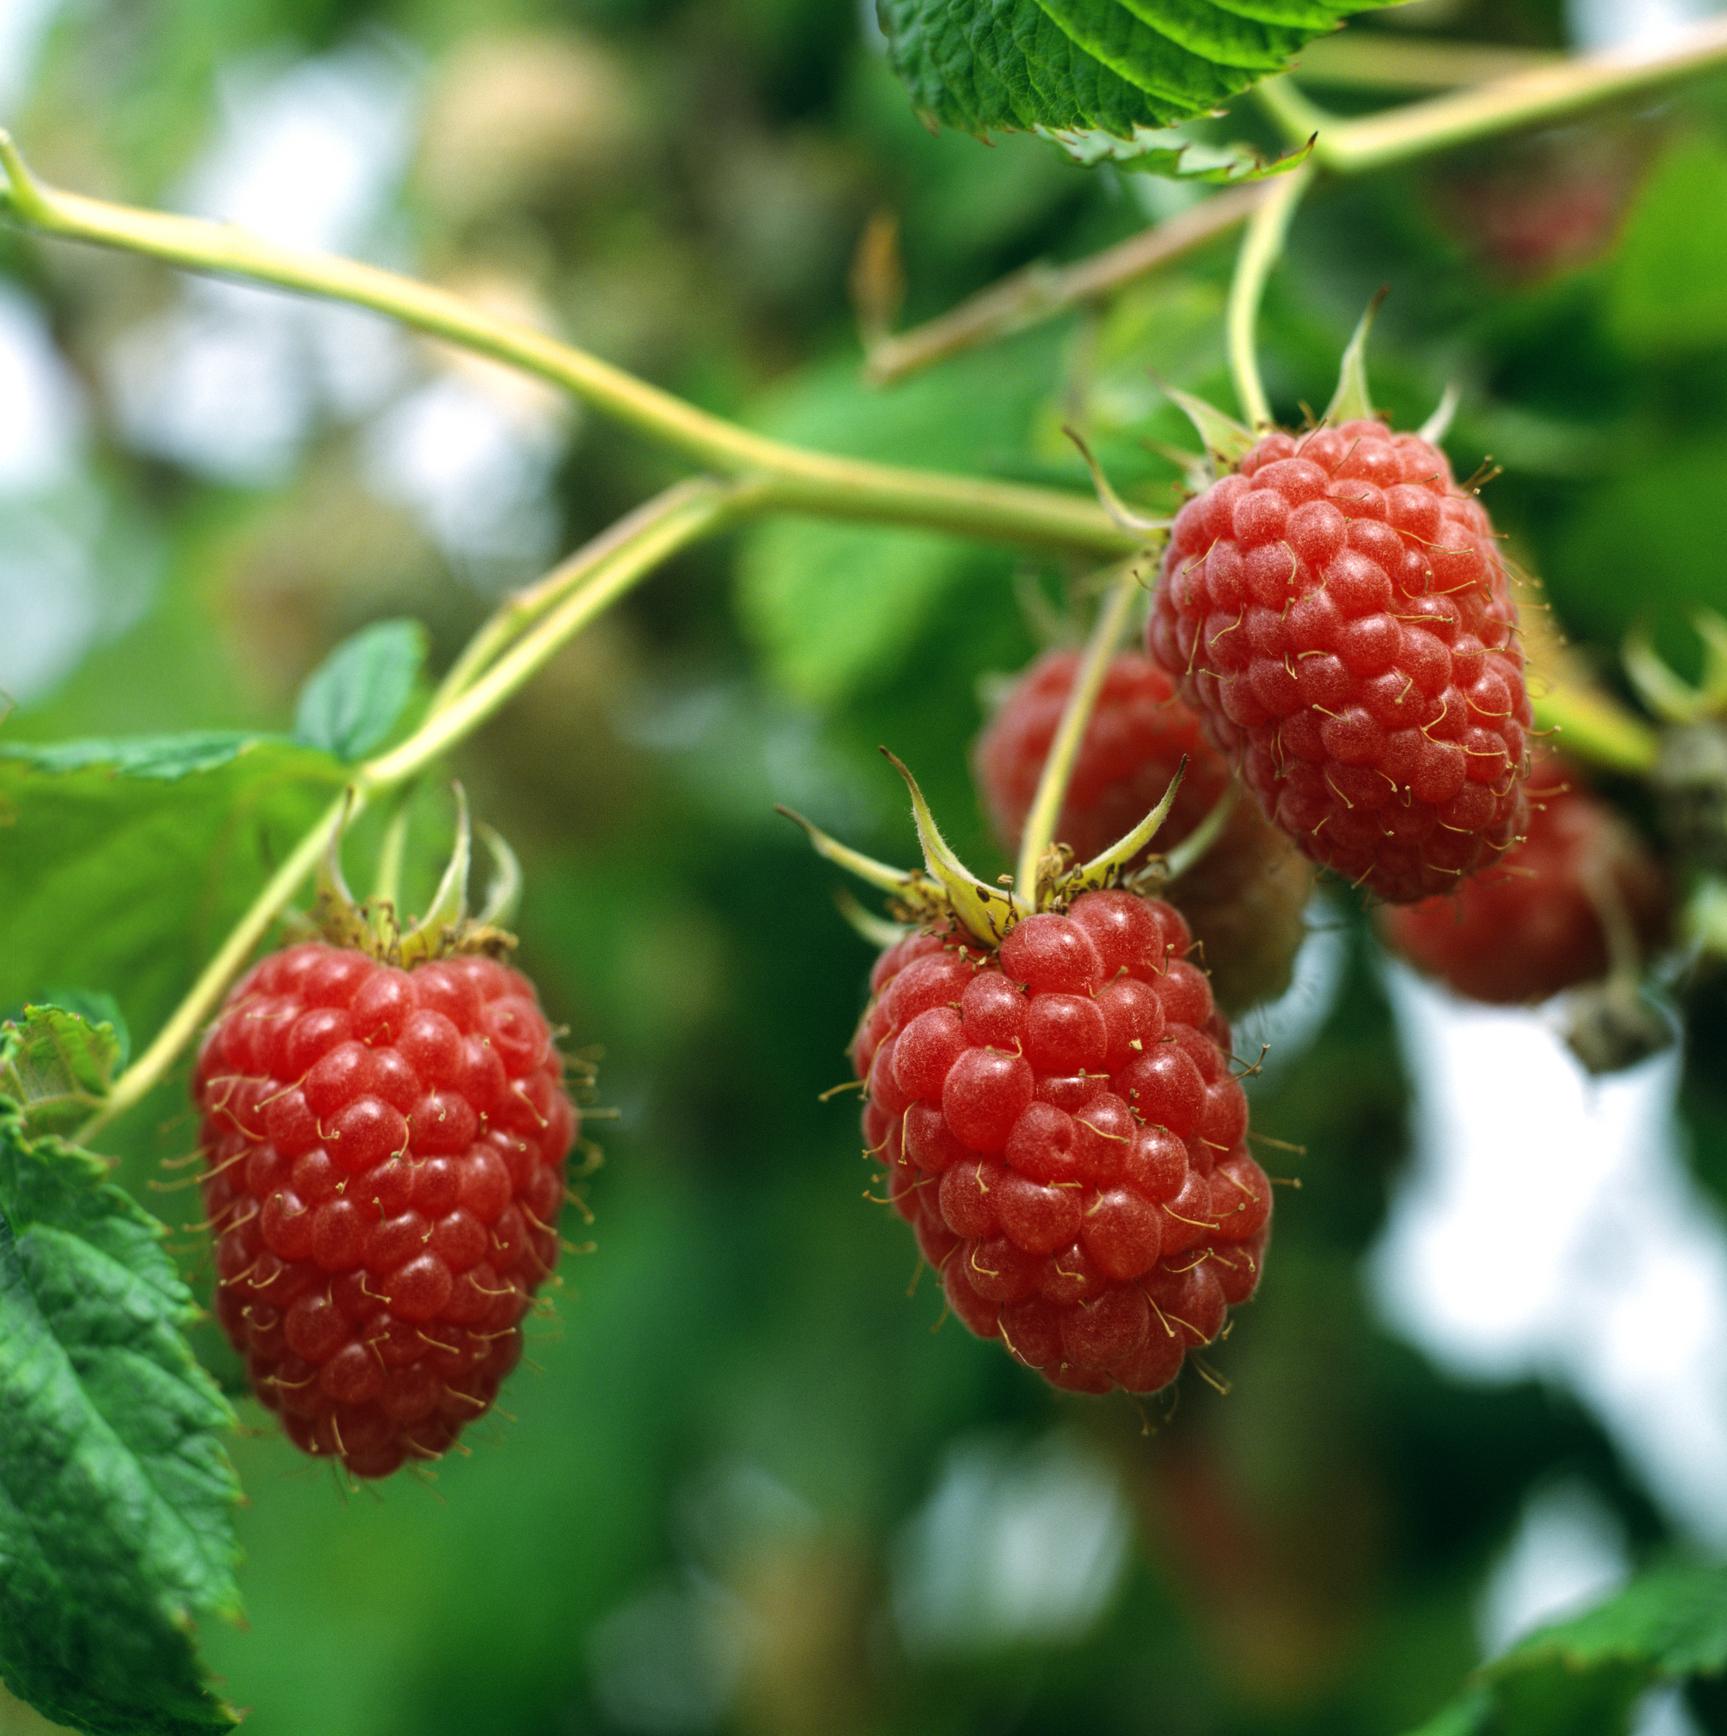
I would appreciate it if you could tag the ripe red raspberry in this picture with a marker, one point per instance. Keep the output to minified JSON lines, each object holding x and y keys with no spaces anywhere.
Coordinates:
{"x":385,"y":1153}
{"x":1136,"y":737}
{"x":1338,"y":613}
{"x":1246,"y":897}
{"x":1534,"y":926}
{"x":1062,"y":1132}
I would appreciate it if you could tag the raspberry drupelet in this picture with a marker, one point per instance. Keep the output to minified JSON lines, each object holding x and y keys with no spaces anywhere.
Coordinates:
{"x":1337,"y":611}
{"x":385,"y":1154}
{"x":1060,"y":1128}
{"x":1247,"y":896}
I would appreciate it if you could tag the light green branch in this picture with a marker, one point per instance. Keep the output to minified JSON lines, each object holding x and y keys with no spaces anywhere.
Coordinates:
{"x":800,"y":479}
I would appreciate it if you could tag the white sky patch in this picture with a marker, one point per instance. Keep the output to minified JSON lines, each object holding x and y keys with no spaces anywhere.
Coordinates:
{"x":1016,"y":1544}
{"x":43,"y":421}
{"x":23,"y":26}
{"x":1549,"y":1228}
{"x":231,"y":380}
{"x":476,"y":467}
{"x":1648,"y":25}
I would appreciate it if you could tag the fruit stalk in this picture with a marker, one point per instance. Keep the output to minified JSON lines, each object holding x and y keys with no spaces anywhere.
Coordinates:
{"x":1040,"y":822}
{"x":1261,"y":247}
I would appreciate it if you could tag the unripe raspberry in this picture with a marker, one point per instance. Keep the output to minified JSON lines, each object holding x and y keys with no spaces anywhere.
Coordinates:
{"x":1337,"y":612}
{"x":1245,"y":898}
{"x":1061,"y":1129}
{"x":385,"y":1154}
{"x":1538,"y":923}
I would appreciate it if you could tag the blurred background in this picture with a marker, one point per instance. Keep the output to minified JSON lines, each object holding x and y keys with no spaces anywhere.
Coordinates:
{"x":751,"y":1489}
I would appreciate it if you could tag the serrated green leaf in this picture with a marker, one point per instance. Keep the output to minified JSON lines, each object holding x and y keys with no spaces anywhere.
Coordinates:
{"x":1110,"y":66}
{"x":115,"y":869}
{"x":56,"y":1065}
{"x":116,"y":1493}
{"x":357,"y":695}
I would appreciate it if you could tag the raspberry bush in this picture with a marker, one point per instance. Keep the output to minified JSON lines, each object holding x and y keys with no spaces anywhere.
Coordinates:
{"x":284,"y":1172}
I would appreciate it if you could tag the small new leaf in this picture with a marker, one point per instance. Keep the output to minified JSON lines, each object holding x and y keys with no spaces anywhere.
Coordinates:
{"x":116,"y":1494}
{"x":56,"y":1065}
{"x":356,"y":696}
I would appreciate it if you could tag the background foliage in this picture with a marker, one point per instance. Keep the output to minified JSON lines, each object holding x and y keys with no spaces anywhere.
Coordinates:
{"x":748,"y":1489}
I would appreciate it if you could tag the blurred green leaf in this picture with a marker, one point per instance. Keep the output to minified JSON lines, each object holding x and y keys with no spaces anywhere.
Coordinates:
{"x":124,"y":862}
{"x":356,"y":696}
{"x":1668,"y":293}
{"x":116,"y":1494}
{"x":1579,"y":1676}
{"x":830,"y":606}
{"x":1077,"y":65}
{"x":56,"y":1065}
{"x":1644,"y":520}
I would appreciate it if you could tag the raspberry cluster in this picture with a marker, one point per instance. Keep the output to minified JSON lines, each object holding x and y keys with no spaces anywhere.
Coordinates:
{"x":386,"y":1152}
{"x":1338,"y":613}
{"x":1537,"y":925}
{"x":1061,"y":1130}
{"x":1245,"y":900}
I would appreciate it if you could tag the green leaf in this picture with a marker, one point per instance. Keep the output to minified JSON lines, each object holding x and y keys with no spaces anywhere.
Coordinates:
{"x":1668,"y":293}
{"x":1579,"y":1676}
{"x":162,"y":757}
{"x":1670,"y":1623}
{"x":56,"y":1066}
{"x":126,"y":862}
{"x":357,"y":695}
{"x":116,"y":1493}
{"x":1111,"y":66}
{"x":831,"y":606}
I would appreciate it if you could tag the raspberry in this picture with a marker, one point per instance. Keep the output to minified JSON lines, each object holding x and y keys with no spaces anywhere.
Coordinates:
{"x":1337,"y":612}
{"x":1136,"y":737}
{"x":1534,"y":926}
{"x":385,"y":1155}
{"x":1246,"y":897}
{"x":1062,"y":1132}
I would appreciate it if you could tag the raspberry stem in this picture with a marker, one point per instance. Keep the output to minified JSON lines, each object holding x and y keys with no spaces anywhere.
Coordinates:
{"x":1261,"y":247}
{"x":1040,"y":821}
